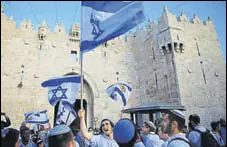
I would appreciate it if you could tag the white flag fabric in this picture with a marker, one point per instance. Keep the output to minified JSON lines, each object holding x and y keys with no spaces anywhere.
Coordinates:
{"x":105,"y":20}
{"x":119,"y":91}
{"x":36,"y":117}
{"x":62,"y":88}
{"x":66,"y":113}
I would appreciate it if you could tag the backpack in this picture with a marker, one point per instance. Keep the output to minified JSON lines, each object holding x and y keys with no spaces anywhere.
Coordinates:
{"x":207,"y":139}
{"x":179,"y":138}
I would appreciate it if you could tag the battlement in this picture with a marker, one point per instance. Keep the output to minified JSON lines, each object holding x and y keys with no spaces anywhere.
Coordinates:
{"x":168,"y":19}
{"x":165,"y":20}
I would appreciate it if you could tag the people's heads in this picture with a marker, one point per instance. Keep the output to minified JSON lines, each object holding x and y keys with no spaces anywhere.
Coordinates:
{"x":173,"y":121}
{"x":223,"y":122}
{"x":185,"y":129}
{"x":161,"y":134}
{"x":215,"y":125}
{"x":11,"y":139}
{"x":106,"y":127}
{"x":124,"y":133}
{"x":38,"y":141}
{"x":25,"y":133}
{"x":194,"y":120}
{"x":60,"y":136}
{"x":148,"y":127}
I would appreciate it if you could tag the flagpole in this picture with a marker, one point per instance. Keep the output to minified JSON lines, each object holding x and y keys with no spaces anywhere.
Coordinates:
{"x":81,"y":63}
{"x":117,"y":73}
{"x":81,"y":70}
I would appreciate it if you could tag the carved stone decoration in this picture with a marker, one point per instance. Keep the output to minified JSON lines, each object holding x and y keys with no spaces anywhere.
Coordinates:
{"x":42,"y":30}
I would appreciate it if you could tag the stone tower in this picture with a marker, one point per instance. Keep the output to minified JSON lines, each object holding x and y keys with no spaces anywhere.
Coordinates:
{"x":185,"y":66}
{"x":177,"y":61}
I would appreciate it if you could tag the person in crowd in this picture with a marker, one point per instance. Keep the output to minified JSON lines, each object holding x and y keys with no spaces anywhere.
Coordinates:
{"x":138,"y":142}
{"x":148,"y":134}
{"x":194,"y":136}
{"x":185,"y":130}
{"x":6,"y":123}
{"x":61,"y":136}
{"x":125,"y":134}
{"x":173,"y":124}
{"x":11,"y":138}
{"x":105,"y":138}
{"x":216,"y":129}
{"x":223,"y":129}
{"x":74,"y":136}
{"x":163,"y":136}
{"x":25,"y":134}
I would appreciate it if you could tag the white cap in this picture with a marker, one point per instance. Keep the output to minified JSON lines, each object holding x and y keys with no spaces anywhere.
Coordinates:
{"x":178,"y":113}
{"x":59,"y":129}
{"x":150,"y":124}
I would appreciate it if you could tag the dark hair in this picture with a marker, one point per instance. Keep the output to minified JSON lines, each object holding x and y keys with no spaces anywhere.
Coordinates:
{"x":111,"y":123}
{"x":214,"y":125}
{"x":195,"y":118}
{"x":223,"y":123}
{"x":10,"y":138}
{"x":60,"y":140}
{"x":180,"y":121}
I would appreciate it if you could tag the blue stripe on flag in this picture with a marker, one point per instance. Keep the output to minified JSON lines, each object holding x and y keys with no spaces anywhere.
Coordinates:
{"x":105,"y":6}
{"x":100,"y":25}
{"x":40,"y":122}
{"x":116,"y":89}
{"x":58,"y":81}
{"x":88,"y":45}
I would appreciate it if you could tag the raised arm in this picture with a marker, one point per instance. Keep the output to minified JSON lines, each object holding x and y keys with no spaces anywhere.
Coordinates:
{"x":83,"y":128}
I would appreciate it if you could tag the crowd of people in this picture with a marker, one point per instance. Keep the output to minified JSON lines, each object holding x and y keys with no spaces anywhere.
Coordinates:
{"x":171,"y":131}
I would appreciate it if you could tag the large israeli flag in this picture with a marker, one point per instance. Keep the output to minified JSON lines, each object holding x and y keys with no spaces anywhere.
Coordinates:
{"x":66,"y":113}
{"x":62,"y":89}
{"x":119,"y":91}
{"x":36,"y":117}
{"x":105,"y":20}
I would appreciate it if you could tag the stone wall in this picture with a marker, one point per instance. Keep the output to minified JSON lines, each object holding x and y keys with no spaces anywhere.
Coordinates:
{"x":151,"y":60}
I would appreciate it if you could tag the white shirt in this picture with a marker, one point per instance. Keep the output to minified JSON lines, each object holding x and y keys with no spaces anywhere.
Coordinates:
{"x":178,"y":143}
{"x":102,"y":141}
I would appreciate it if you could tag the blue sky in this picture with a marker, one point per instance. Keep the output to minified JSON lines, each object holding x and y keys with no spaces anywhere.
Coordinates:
{"x":68,"y":12}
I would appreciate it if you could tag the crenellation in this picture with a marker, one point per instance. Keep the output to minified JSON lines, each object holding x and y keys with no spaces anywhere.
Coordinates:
{"x":195,"y":19}
{"x":160,"y":61}
{"x":183,"y":17}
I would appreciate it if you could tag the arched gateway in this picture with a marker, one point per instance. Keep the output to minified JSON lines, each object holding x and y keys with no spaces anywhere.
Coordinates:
{"x":88,"y":104}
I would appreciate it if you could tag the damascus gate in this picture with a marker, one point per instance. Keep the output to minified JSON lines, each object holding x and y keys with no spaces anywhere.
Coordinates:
{"x":176,"y":62}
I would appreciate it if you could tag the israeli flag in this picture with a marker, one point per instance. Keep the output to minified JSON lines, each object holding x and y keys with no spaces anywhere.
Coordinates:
{"x":119,"y":91}
{"x":105,"y":20}
{"x":66,"y":113}
{"x":62,"y":89}
{"x":36,"y":117}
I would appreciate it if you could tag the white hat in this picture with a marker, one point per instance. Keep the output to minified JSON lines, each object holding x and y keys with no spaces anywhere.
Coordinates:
{"x":178,"y":113}
{"x":150,"y":124}
{"x":59,"y":129}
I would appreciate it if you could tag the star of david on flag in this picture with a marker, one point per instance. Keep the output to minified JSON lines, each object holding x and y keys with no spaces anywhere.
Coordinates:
{"x":36,"y":117}
{"x":119,"y":91}
{"x":105,"y":20}
{"x":66,"y":113}
{"x":63,"y":89}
